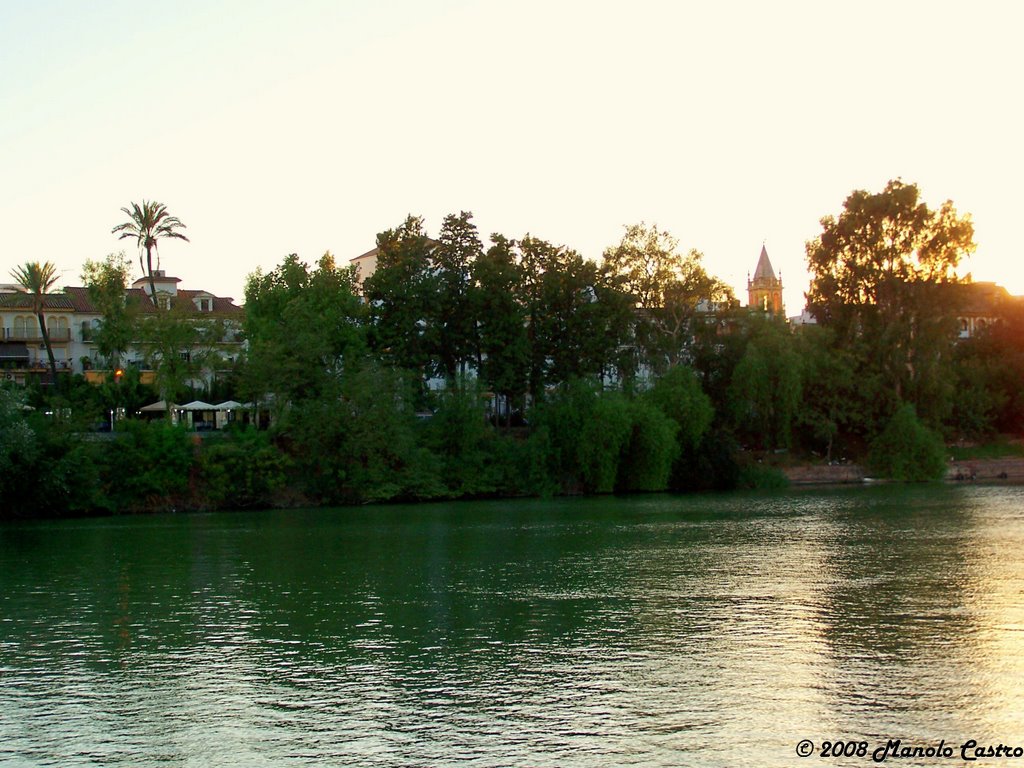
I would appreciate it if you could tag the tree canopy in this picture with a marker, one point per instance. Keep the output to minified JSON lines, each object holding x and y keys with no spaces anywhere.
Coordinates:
{"x":880,"y":278}
{"x":107,"y":282}
{"x":148,"y":224}
{"x":878,"y":245}
{"x":667,"y":287}
{"x":39,"y":279}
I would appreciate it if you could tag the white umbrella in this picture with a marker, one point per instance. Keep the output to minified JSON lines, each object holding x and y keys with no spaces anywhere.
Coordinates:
{"x":158,"y":407}
{"x":198,"y":405}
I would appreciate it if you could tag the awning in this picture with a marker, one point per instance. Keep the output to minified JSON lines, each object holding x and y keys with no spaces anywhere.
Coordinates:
{"x":158,"y":407}
{"x":10,"y":351}
{"x":231,"y":406}
{"x":198,"y":405}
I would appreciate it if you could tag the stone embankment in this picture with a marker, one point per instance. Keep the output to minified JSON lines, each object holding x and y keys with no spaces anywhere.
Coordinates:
{"x":824,"y":474}
{"x":1009,"y":470}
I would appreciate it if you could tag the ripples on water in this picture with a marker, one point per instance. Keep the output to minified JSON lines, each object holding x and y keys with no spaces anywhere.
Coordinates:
{"x":645,"y":631}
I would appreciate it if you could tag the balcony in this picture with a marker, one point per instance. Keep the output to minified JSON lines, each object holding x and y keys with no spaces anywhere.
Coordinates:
{"x":57,"y":335}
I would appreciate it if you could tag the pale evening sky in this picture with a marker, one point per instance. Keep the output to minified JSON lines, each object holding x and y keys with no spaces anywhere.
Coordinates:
{"x":304,"y":126}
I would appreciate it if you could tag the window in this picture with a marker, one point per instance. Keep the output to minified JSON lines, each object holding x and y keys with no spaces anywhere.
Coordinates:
{"x":57,"y":327}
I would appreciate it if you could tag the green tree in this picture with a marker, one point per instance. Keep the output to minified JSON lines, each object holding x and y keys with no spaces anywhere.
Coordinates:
{"x":107,"y":283}
{"x":668,"y":289}
{"x":536,"y":259}
{"x":361,"y":445}
{"x":766,"y":387}
{"x":576,"y":319}
{"x":303,"y":326}
{"x":503,"y":347}
{"x":907,"y":450}
{"x":879,"y":277}
{"x":45,"y":469}
{"x":245,"y":469}
{"x":679,"y":396}
{"x":177,"y":347}
{"x":459,"y":437}
{"x":399,"y":294}
{"x":161,"y":457}
{"x":647,"y":457}
{"x":989,"y":369}
{"x":38,"y":279}
{"x":585,"y":433}
{"x":830,"y":393}
{"x":18,"y":447}
{"x":717,"y":348}
{"x":148,"y":224}
{"x":453,"y":322}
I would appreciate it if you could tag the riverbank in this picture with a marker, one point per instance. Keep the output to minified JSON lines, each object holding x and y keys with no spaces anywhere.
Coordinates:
{"x":1002,"y":470}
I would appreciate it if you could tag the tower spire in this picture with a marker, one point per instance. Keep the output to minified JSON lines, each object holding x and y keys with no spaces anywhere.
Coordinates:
{"x":764,"y":291}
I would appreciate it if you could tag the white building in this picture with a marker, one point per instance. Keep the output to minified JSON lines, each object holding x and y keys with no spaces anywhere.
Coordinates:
{"x":72,"y":319}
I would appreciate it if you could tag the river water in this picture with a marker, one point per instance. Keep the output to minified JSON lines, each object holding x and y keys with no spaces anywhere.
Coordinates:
{"x":655,"y":631}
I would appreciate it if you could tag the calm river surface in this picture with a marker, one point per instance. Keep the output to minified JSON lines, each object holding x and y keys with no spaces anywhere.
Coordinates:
{"x":672,"y":631}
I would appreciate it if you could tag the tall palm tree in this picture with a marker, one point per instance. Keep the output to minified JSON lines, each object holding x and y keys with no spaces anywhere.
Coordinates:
{"x":148,"y":224}
{"x":38,"y":279}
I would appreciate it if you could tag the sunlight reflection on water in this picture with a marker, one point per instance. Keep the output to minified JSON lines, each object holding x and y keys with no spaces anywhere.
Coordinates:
{"x":646,"y":631}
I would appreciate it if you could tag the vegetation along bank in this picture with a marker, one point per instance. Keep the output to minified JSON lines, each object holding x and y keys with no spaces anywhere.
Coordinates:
{"x":522,"y":368}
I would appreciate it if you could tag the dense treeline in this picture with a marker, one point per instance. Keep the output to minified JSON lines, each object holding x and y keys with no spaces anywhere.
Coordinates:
{"x":522,"y":368}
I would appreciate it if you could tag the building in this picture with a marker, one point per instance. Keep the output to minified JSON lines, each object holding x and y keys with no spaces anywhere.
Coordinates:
{"x":22,"y":351}
{"x":72,"y":319}
{"x":764,"y":292}
{"x":365,"y":265}
{"x":979,"y":305}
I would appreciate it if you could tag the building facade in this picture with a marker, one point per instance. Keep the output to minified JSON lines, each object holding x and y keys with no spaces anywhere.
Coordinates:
{"x":72,"y":319}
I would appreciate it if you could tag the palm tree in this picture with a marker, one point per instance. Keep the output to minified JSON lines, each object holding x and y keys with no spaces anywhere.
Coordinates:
{"x":38,"y":279}
{"x":148,"y":224}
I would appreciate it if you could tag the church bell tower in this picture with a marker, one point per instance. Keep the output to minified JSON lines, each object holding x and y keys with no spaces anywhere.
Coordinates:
{"x":764,"y":292}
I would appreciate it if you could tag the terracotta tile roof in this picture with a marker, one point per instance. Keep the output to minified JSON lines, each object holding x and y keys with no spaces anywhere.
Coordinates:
{"x":51,"y":301}
{"x":76,"y":299}
{"x":140,"y":300}
{"x":222,"y":305}
{"x":80,"y":300}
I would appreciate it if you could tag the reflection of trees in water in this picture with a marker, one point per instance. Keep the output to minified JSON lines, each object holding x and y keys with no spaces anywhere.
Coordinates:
{"x":859,"y":612}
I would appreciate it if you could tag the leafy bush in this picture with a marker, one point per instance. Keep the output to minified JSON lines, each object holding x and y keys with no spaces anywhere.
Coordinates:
{"x":679,"y":396}
{"x":461,"y":440}
{"x":711,"y":466}
{"x":761,"y":477}
{"x":359,"y":445}
{"x":244,"y":469}
{"x":148,"y":467}
{"x":907,"y":450}
{"x":520,"y":464}
{"x":45,"y":469}
{"x":647,"y":458}
{"x":585,"y":431}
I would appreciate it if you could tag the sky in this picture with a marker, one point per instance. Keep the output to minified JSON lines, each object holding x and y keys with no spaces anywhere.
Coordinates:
{"x":304,"y":126}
